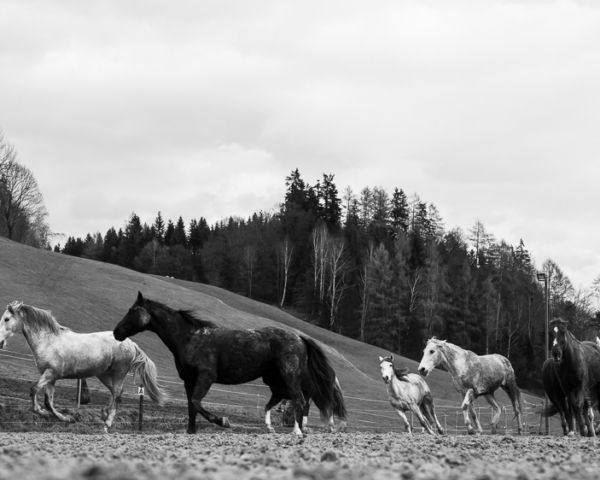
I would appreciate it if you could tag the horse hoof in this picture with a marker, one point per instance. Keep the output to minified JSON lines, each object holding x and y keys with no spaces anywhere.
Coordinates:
{"x":494,"y":430}
{"x":471,"y":431}
{"x":69,"y":419}
{"x":571,"y":434}
{"x":225,"y":422}
{"x":270,"y":429}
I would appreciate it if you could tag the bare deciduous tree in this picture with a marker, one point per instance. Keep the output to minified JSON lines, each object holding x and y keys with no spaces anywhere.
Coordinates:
{"x":285,"y":250}
{"x":22,"y":210}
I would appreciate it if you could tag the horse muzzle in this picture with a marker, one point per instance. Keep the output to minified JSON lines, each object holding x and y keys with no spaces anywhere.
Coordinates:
{"x":423,"y":371}
{"x":557,"y":356}
{"x":120,"y":334}
{"x":386,"y":379}
{"x":2,"y":344}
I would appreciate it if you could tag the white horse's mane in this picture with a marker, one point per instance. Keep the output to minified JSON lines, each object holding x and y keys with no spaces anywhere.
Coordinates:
{"x":39,"y":319}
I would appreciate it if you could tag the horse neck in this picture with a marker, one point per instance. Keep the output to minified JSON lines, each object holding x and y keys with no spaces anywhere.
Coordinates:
{"x":453,"y":358}
{"x":173,"y":331}
{"x":36,"y":338}
{"x":571,"y":357}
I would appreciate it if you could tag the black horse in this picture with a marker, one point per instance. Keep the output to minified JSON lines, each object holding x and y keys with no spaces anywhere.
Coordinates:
{"x":280,"y":394}
{"x":557,"y":397}
{"x":205,"y":354}
{"x":577,"y":368}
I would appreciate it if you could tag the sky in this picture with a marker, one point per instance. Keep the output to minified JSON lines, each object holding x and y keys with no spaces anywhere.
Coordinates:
{"x":488,"y":109}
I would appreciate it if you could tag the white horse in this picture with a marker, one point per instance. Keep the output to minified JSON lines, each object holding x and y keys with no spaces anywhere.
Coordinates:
{"x":409,"y":392}
{"x":61,"y":353}
{"x":473,"y":376}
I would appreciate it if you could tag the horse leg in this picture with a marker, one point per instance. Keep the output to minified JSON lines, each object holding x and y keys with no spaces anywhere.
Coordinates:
{"x":203,"y":384}
{"x":305,"y":411}
{"x":409,"y":429}
{"x":590,"y":419}
{"x":291,"y":372}
{"x":466,"y":406}
{"x":107,"y":381}
{"x":189,"y":390}
{"x":47,"y":377}
{"x":274,"y":400}
{"x":416,"y":409}
{"x":475,"y":419}
{"x":514,"y":394}
{"x":496,"y":411}
{"x":117,"y":382}
{"x":49,"y":401}
{"x":429,"y":412}
{"x":576,"y":400}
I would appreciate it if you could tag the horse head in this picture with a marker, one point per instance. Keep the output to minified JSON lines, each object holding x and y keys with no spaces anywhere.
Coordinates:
{"x":136,"y":320}
{"x":389,"y":370}
{"x":562,"y":339}
{"x":432,"y":356}
{"x":10,"y":322}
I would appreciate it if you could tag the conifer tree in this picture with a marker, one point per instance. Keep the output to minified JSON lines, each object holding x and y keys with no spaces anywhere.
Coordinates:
{"x":159,"y":228}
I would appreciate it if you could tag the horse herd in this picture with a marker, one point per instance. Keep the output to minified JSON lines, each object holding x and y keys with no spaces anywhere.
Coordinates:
{"x":294,"y":367}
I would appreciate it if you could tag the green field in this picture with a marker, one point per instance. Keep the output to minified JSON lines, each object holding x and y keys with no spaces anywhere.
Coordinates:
{"x":89,"y":296}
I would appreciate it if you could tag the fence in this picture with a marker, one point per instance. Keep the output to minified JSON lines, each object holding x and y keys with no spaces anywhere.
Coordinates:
{"x":248,"y":400}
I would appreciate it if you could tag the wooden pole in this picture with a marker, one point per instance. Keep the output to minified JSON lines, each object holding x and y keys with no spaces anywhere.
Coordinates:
{"x":78,"y":393}
{"x":141,"y":414}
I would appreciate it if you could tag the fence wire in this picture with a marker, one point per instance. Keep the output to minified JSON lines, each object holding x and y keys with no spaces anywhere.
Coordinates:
{"x":363,"y":413}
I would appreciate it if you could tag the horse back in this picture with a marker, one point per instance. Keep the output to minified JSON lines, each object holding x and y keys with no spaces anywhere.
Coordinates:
{"x":80,"y":355}
{"x":486,"y":373}
{"x":238,"y":356}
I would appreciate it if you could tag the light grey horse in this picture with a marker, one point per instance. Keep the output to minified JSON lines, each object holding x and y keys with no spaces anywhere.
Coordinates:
{"x":409,"y":392}
{"x":473,"y":376}
{"x":61,"y":353}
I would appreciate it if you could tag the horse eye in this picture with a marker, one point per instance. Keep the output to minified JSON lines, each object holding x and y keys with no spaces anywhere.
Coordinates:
{"x":430,"y":351}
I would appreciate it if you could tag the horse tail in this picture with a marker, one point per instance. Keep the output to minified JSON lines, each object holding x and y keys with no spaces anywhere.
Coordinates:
{"x":145,"y":368}
{"x":322,"y":378}
{"x":339,"y":406}
{"x":550,"y":410}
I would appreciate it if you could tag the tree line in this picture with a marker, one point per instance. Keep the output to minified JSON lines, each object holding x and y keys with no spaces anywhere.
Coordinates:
{"x":378,"y":267}
{"x":23,"y":214}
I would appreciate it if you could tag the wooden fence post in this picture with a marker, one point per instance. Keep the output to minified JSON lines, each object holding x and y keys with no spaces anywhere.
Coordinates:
{"x":78,"y":393}
{"x":141,"y":414}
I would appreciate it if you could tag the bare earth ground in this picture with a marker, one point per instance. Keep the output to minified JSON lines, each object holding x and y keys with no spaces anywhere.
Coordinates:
{"x":230,"y":456}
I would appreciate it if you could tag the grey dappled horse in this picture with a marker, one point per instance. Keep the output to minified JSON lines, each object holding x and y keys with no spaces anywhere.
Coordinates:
{"x":473,"y":376}
{"x":61,"y":353}
{"x":409,"y":392}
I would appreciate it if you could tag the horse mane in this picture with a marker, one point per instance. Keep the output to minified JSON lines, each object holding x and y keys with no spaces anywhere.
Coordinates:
{"x":190,"y":317}
{"x":39,"y":319}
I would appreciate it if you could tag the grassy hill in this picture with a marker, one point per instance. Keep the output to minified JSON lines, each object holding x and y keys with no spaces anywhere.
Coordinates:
{"x":89,"y":296}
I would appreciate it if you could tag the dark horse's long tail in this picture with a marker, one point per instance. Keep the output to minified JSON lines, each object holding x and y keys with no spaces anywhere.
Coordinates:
{"x":339,"y":407}
{"x":322,"y":376}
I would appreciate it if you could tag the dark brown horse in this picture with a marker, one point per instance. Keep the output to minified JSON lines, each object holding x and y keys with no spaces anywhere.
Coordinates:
{"x":557,"y":397}
{"x":577,"y":367}
{"x":205,"y":354}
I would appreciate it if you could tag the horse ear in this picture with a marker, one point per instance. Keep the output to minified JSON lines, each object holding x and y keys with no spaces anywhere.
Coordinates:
{"x":140,"y":298}
{"x":381,"y":358}
{"x":392,"y":357}
{"x":15,"y":306}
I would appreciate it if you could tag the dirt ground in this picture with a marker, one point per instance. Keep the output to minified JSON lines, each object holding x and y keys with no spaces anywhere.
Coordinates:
{"x":231,"y":456}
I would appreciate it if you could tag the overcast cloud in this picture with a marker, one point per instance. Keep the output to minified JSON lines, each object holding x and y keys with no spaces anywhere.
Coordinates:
{"x":488,"y":109}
